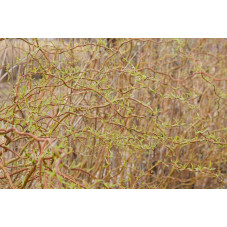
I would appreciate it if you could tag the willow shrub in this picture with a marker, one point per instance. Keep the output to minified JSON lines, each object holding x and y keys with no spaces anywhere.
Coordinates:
{"x":113,"y":113}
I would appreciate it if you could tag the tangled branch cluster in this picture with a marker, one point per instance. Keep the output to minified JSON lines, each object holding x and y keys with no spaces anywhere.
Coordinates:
{"x":113,"y":113}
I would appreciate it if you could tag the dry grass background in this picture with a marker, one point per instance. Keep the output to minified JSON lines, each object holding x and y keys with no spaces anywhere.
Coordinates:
{"x":113,"y":113}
